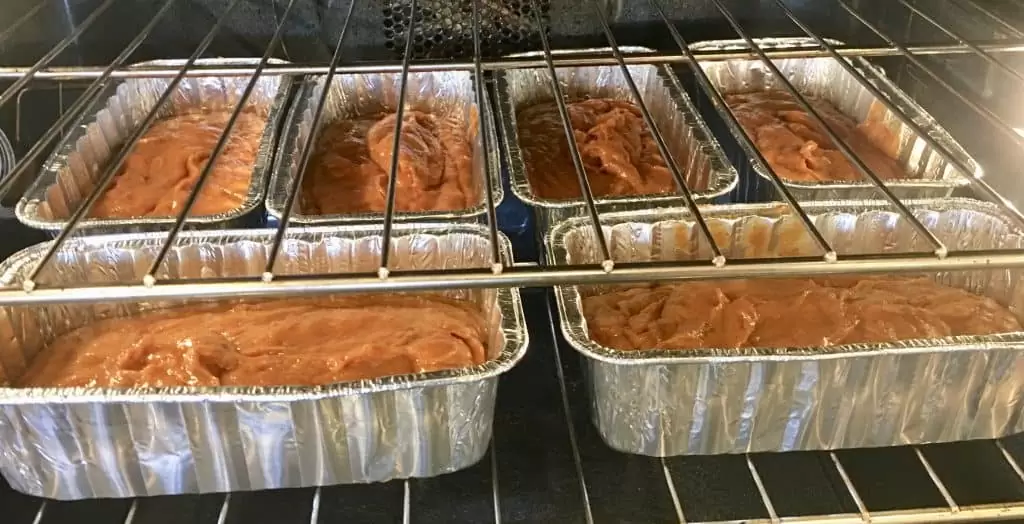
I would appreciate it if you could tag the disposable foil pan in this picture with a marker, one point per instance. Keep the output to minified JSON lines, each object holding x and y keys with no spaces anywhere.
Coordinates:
{"x":934,"y":177}
{"x":716,"y":401}
{"x":449,"y":93}
{"x":74,"y":443}
{"x":71,"y":172}
{"x":692,"y":145}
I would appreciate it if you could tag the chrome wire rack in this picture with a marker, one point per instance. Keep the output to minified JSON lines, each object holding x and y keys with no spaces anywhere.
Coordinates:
{"x":548,"y":464}
{"x":44,"y":73}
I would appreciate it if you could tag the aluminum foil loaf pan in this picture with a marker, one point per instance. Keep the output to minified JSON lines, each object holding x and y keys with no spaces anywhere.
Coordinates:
{"x":73,"y":170}
{"x":75,"y":443}
{"x":448,"y":93}
{"x":701,"y":160}
{"x":718,"y":401}
{"x":931,"y":175}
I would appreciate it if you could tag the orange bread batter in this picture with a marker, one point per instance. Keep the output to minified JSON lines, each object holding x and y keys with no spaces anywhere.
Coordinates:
{"x":619,"y":153}
{"x":349,"y":172}
{"x":164,"y":167}
{"x":284,"y":342}
{"x":789,"y":313}
{"x":799,"y":150}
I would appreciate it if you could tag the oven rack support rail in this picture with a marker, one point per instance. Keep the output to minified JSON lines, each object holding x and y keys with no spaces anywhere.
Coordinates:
{"x":271,"y":283}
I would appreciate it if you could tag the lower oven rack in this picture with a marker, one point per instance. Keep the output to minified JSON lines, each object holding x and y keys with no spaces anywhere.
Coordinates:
{"x":549,"y":465}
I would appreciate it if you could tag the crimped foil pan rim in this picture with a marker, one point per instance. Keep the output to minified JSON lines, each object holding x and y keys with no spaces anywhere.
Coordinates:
{"x":888,"y":88}
{"x":720,"y":167}
{"x":257,"y":185}
{"x":516,"y":341}
{"x":573,"y":324}
{"x":275,"y":202}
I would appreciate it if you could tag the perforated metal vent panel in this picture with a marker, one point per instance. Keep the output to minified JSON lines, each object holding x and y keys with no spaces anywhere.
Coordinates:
{"x":444,"y":28}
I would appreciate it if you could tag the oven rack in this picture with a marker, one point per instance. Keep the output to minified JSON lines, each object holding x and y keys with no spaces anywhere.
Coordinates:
{"x":577,"y":478}
{"x":942,"y":258}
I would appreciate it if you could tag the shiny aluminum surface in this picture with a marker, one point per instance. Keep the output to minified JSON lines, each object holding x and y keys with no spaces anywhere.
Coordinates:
{"x":711,"y":401}
{"x":933,"y":177}
{"x":449,"y":93}
{"x":72,"y":171}
{"x":694,"y":149}
{"x":72,"y":443}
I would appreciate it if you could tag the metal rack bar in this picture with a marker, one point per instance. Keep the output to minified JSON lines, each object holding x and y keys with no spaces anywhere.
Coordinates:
{"x":115,"y":164}
{"x":150,"y":277}
{"x":828,"y":254}
{"x":77,"y":112}
{"x":307,"y":150}
{"x":406,"y":503}
{"x":39,"y":514}
{"x":492,"y":64}
{"x":516,"y":276}
{"x":54,"y":52}
{"x":222,"y":517}
{"x":130,"y":516}
{"x":495,"y":491}
{"x":985,"y":112}
{"x":953,"y":506}
{"x":991,"y":15}
{"x":850,"y":488}
{"x":765,"y":499}
{"x":964,"y":42}
{"x":314,"y":513}
{"x":485,"y":137}
{"x":277,"y":285}
{"x":716,"y":254}
{"x":1014,"y":465}
{"x":940,"y":249}
{"x":574,"y":151}
{"x":676,"y":503}
{"x":403,"y":87}
{"x":953,"y":513}
{"x":941,"y":149}
{"x":567,"y":410}
{"x":11,"y":29}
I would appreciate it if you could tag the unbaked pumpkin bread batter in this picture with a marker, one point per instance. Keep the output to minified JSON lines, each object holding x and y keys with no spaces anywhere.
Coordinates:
{"x":163,"y":168}
{"x":800,"y":150}
{"x":618,"y":151}
{"x":281,"y":342}
{"x":789,"y":313}
{"x":350,"y":168}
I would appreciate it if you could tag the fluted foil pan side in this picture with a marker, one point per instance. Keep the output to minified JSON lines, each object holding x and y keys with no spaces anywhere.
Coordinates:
{"x":449,"y":93}
{"x":691,"y":143}
{"x":72,"y":171}
{"x":74,"y":443}
{"x":826,"y":78}
{"x":715,"y":401}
